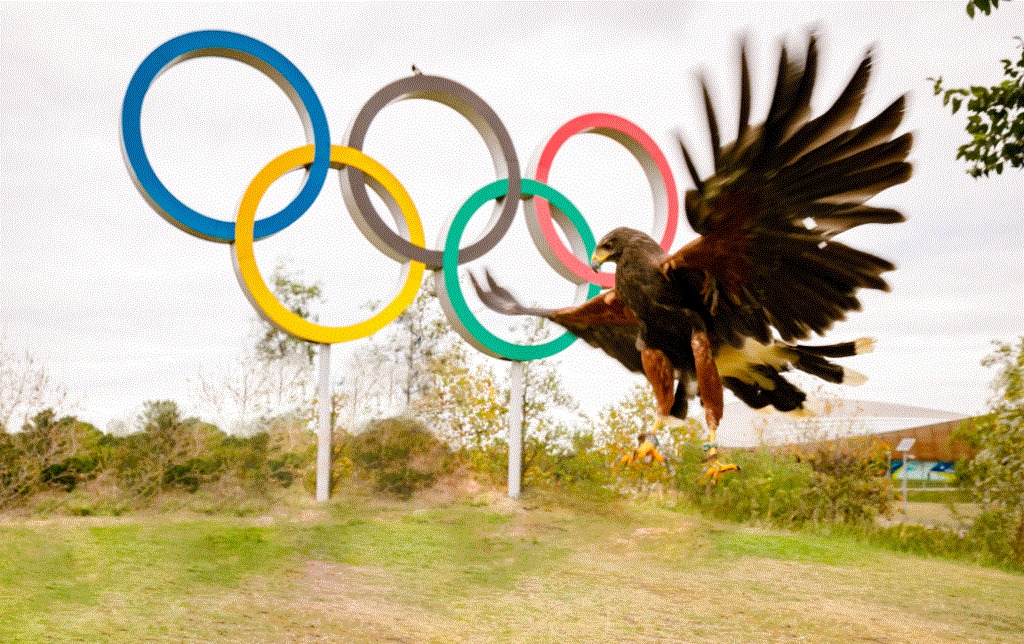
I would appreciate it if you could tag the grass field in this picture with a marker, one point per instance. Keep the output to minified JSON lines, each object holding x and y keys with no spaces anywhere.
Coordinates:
{"x":488,"y":569}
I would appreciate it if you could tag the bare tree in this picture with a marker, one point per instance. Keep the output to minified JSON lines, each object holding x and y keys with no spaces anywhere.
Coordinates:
{"x":272,"y":380}
{"x":25,"y":389}
{"x":27,"y":456}
{"x":247,"y":392}
{"x":392,"y":370}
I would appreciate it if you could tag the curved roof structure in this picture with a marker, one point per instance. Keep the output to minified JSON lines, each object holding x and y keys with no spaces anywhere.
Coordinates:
{"x":828,"y":419}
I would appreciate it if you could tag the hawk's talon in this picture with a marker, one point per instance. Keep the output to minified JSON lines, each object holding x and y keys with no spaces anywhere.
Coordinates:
{"x":716,"y":469}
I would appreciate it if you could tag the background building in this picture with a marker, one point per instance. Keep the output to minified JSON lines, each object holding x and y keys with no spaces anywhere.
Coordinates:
{"x":823,"y":419}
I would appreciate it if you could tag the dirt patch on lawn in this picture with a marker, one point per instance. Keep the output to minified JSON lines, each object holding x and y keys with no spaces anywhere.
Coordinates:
{"x":365,"y":597}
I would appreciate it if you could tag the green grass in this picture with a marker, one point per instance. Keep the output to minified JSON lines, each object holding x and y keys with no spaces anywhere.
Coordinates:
{"x":937,"y":496}
{"x":732,"y":543}
{"x":490,"y":569}
{"x":49,"y":573}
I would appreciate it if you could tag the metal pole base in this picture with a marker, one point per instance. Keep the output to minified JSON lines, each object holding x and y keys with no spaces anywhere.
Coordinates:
{"x":515,"y":429}
{"x":323,"y":446}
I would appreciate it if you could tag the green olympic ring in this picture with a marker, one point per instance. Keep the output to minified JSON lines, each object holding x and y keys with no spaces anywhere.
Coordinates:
{"x":449,"y":290}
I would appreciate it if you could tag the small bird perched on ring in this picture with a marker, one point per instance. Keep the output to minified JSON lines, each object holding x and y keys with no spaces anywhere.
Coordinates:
{"x":728,"y":308}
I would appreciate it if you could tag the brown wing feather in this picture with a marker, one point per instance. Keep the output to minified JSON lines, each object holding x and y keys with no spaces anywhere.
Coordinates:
{"x":779,"y":194}
{"x":602,"y":321}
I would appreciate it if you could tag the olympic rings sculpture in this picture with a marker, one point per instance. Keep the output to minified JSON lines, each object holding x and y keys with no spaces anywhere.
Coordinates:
{"x":544,"y":205}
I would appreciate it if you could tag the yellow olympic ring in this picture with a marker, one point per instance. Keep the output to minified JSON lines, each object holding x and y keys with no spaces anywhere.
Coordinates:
{"x":387,"y":187}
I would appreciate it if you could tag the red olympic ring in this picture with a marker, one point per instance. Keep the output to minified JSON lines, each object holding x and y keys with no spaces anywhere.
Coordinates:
{"x":655,"y":166}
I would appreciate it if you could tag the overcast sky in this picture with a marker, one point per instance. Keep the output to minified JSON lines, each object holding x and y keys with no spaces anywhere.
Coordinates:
{"x":123,"y":307}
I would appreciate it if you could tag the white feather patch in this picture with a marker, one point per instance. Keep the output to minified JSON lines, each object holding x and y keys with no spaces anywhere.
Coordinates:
{"x":671,"y":421}
{"x":740,"y":363}
{"x":863,"y":345}
{"x":853,"y":378}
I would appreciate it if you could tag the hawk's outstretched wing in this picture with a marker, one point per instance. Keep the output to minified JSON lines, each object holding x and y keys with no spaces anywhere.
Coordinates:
{"x":602,"y":321}
{"x":778,"y":195}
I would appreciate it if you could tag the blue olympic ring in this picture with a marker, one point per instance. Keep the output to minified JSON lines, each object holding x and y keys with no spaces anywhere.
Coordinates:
{"x":259,"y":56}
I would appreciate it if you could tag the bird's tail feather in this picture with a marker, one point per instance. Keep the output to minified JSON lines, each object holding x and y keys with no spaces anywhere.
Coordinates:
{"x":812,"y":360}
{"x":754,"y":374}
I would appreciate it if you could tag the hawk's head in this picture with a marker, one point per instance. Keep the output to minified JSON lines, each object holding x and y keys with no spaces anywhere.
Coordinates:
{"x":612,"y":245}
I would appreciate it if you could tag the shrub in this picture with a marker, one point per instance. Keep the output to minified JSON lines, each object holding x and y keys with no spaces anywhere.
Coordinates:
{"x":400,"y":456}
{"x":834,"y":482}
{"x":341,"y":463}
{"x":191,"y":474}
{"x":48,"y":452}
{"x":245,"y":458}
{"x":850,"y":482}
{"x":292,"y":450}
{"x":288,"y":467}
{"x":579,"y":465}
{"x":70,"y":472}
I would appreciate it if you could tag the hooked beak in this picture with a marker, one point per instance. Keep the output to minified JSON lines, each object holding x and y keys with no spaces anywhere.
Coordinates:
{"x":598,"y":258}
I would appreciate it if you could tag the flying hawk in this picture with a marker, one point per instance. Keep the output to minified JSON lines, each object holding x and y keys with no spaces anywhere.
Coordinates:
{"x":729,"y":307}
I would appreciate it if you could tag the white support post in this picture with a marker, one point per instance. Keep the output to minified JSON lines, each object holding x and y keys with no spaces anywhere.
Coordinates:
{"x":323,"y":449}
{"x":515,"y":429}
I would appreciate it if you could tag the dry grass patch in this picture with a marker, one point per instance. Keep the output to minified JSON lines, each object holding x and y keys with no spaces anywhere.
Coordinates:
{"x":483,"y":569}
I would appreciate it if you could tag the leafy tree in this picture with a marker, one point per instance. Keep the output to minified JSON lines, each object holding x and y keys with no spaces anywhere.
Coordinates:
{"x":995,"y":115}
{"x":466,"y":404}
{"x":997,"y":471}
{"x":620,"y":423}
{"x":299,"y":298}
{"x":985,"y":6}
{"x":463,"y":403}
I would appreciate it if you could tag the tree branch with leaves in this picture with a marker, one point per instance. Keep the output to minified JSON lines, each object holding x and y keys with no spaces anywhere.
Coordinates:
{"x":995,"y":114}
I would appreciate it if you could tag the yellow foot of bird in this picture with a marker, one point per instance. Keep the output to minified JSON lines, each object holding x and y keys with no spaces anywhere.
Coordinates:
{"x":716,"y":468}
